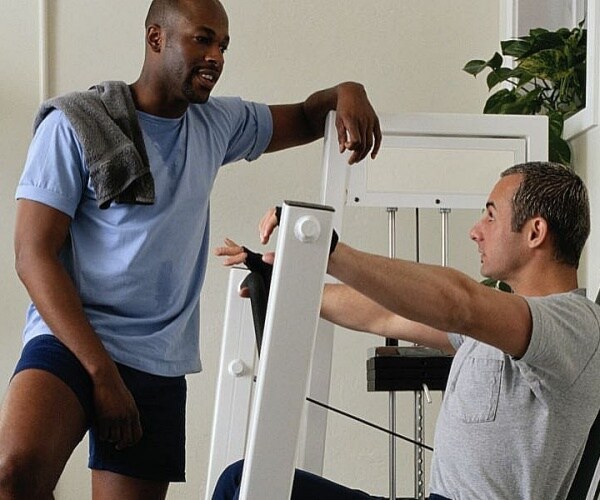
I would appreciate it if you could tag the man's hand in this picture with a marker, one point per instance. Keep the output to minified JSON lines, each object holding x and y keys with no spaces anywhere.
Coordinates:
{"x":117,"y":416}
{"x":234,"y":254}
{"x":356,"y":122}
{"x":267,"y":225}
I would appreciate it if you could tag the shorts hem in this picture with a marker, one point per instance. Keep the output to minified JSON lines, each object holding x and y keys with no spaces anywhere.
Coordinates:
{"x":170,"y":478}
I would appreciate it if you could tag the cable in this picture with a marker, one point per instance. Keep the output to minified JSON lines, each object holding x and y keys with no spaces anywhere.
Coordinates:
{"x":370,"y":424}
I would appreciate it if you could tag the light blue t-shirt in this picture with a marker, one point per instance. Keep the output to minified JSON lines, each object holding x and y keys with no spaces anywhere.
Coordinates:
{"x":139,"y":268}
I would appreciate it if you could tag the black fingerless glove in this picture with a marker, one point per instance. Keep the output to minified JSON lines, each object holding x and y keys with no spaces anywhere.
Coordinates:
{"x":255,"y":264}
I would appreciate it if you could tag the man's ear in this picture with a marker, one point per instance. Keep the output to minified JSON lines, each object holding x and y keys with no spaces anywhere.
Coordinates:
{"x":154,"y":37}
{"x":537,"y":232}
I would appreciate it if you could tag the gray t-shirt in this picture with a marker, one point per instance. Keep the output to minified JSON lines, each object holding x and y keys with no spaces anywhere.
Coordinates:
{"x":516,"y":428}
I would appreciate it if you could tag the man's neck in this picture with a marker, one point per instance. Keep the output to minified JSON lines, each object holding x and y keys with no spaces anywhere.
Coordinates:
{"x":155,"y":102}
{"x":553,"y":279}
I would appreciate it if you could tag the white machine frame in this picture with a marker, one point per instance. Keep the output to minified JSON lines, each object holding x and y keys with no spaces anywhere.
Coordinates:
{"x":497,"y":142}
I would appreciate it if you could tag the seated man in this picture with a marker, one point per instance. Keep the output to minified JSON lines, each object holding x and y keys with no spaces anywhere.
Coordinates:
{"x":522,"y":392}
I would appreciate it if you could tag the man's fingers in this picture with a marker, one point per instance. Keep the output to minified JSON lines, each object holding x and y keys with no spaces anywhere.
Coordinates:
{"x":360,"y":139}
{"x":378,"y":137}
{"x":266,"y":226}
{"x":235,"y":253}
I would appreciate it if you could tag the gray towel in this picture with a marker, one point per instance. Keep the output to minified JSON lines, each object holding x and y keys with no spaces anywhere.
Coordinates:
{"x":105,"y":121}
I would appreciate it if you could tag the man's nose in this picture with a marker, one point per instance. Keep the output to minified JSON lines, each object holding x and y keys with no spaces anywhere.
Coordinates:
{"x":475,"y":233}
{"x":215,"y":54}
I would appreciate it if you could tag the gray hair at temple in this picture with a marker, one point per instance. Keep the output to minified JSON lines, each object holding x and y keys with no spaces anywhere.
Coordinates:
{"x":556,"y":193}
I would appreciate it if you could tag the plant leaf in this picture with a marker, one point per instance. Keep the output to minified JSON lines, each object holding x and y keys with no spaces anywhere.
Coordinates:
{"x":515,"y":48}
{"x":547,"y":64}
{"x":498,"y":100}
{"x":498,"y":76}
{"x":475,"y":66}
{"x":559,"y":150}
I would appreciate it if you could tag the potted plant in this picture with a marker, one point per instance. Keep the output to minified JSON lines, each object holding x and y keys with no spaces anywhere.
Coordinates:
{"x":548,"y":77}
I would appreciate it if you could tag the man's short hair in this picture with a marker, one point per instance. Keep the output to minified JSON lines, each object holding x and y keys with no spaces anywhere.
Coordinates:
{"x":556,"y":193}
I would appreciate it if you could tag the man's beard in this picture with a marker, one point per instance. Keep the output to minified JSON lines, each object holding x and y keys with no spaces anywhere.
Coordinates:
{"x":192,"y":95}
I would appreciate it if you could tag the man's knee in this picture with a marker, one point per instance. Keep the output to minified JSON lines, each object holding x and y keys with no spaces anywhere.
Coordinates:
{"x":228,"y":485}
{"x":22,"y":476}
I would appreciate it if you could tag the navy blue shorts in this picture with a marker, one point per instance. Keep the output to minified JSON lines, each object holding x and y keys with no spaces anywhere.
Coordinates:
{"x":160,"y":454}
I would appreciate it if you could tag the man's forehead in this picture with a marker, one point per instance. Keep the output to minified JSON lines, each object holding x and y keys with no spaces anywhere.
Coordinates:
{"x":504,"y":189}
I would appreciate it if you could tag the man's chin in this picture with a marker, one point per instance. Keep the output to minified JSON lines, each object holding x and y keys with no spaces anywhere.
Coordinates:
{"x":198,"y":99}
{"x":194,"y":97}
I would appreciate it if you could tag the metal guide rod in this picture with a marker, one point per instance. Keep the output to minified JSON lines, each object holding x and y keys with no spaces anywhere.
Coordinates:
{"x":392,"y":395}
{"x":445,"y":212}
{"x":290,"y":328}
{"x":419,"y":427}
{"x":419,"y":409}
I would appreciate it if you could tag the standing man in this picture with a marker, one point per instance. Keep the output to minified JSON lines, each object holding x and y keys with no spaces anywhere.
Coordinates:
{"x":111,"y":243}
{"x":523,"y":388}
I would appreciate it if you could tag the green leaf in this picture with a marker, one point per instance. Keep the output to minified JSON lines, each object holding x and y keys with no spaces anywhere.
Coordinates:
{"x":515,"y":48}
{"x":547,"y":64}
{"x":475,"y":67}
{"x":528,"y":103}
{"x":497,"y":101}
{"x":496,"y":61}
{"x":556,"y":122}
{"x":559,"y":150}
{"x":498,"y":76}
{"x":497,"y":284}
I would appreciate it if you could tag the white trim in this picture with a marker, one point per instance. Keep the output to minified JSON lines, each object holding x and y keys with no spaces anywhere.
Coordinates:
{"x":43,"y":49}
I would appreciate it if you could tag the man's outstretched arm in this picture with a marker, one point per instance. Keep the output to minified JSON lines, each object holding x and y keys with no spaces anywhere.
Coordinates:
{"x":440,"y":297}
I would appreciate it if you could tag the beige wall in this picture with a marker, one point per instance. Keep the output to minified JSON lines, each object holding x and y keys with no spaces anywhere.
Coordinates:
{"x":409,"y":54}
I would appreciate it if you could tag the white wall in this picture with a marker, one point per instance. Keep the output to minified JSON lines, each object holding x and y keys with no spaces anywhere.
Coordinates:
{"x":409,"y":55}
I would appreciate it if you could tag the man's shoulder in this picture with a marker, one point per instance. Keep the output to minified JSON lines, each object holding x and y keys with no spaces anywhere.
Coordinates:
{"x":224,"y":105}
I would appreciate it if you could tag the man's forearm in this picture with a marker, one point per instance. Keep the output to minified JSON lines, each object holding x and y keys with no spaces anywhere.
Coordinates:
{"x":349,"y":308}
{"x":427,"y":294}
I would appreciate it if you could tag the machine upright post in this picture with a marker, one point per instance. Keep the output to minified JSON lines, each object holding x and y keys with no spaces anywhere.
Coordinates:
{"x":419,"y":413}
{"x":290,"y":328}
{"x":391,"y":342}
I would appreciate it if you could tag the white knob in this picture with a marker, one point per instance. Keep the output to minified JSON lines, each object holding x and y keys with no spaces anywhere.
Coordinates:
{"x":236,"y":368}
{"x":307,"y":229}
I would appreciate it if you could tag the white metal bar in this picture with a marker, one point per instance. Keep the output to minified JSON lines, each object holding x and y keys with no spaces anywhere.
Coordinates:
{"x":314,"y":427}
{"x":290,"y":328}
{"x":43,"y":49}
{"x":234,"y":383}
{"x":391,"y":211}
{"x":333,"y":193}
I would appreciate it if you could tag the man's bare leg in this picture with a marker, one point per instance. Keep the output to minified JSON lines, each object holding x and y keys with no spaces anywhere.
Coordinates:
{"x":41,"y":423}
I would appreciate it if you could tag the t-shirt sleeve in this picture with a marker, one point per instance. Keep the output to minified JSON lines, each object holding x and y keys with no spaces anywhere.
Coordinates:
{"x":54,"y":172}
{"x":251,"y":129}
{"x":565,"y":335}
{"x":456,"y":340}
